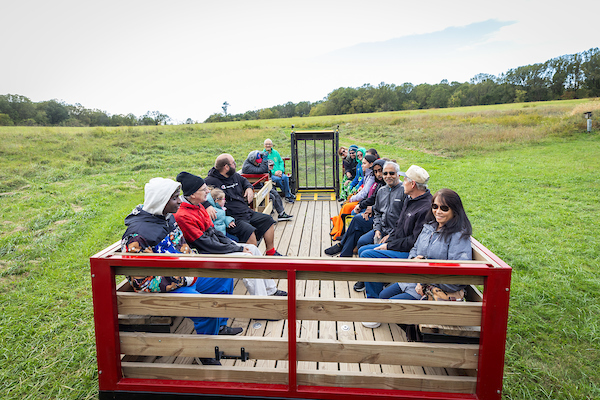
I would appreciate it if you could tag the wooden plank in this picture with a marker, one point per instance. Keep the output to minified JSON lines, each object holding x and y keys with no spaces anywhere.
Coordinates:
{"x":345,"y":329}
{"x":210,"y":273}
{"x":204,"y":373}
{"x":383,"y":335}
{"x":307,"y":230}
{"x":397,"y":311}
{"x":389,"y":352}
{"x":296,"y":234}
{"x":310,"y":327}
{"x":363,"y":333}
{"x":202,"y":305}
{"x":316,"y":231}
{"x":186,"y":327}
{"x":327,"y":331}
{"x":283,"y":245}
{"x":367,"y":277}
{"x":451,"y":384}
{"x":240,"y":322}
{"x":398,"y":334}
{"x":274,"y":329}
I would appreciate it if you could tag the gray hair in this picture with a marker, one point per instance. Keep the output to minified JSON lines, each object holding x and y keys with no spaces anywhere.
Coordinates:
{"x":396,"y":166}
{"x":420,"y":186}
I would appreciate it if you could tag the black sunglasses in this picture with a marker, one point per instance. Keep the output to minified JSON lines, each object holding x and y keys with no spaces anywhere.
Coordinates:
{"x":389,"y":173}
{"x":443,"y":208}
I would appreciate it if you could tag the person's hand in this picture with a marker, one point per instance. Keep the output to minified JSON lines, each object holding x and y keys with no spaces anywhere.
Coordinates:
{"x":419,"y":258}
{"x":368,"y":212}
{"x":376,"y":237}
{"x":249,"y":195}
{"x":246,"y":250}
{"x":212,"y":213}
{"x":347,"y":183}
{"x":381,"y":247}
{"x":278,"y":173}
{"x":356,"y":209}
{"x":231,"y":224}
{"x":419,"y":288}
{"x":384,"y":239}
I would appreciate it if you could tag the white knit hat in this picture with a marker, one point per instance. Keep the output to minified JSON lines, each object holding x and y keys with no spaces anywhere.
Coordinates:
{"x":157,"y":193}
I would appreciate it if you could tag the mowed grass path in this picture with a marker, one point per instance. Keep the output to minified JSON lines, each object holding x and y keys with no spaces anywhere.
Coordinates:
{"x":533,"y":200}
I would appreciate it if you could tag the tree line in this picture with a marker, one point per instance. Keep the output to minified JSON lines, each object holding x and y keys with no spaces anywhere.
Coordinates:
{"x":20,"y":110}
{"x":566,"y":77}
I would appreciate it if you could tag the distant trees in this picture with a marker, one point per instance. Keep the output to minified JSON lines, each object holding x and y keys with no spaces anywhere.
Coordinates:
{"x":19,"y":110}
{"x":565,"y":77}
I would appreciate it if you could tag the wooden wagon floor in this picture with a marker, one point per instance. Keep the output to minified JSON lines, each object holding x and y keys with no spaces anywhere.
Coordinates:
{"x":307,"y":235}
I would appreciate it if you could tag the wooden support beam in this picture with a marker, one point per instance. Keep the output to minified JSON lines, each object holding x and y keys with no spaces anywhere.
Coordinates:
{"x":396,"y":311}
{"x":202,"y":305}
{"x":366,"y":277}
{"x":452,"y":384}
{"x":318,"y":350}
{"x":210,"y":273}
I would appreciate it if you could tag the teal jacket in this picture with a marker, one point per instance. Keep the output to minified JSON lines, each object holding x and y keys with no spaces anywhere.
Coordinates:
{"x":222,"y":220}
{"x":278,"y":164}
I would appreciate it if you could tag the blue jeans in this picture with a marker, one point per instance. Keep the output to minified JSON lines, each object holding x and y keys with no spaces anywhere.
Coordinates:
{"x":394,"y":292}
{"x":374,"y":289}
{"x":369,"y":252}
{"x":205,"y":325}
{"x":357,"y":228}
{"x":365,"y":240}
{"x":283,"y":182}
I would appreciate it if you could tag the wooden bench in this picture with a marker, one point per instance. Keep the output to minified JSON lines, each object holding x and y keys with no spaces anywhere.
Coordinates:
{"x":310,"y":344}
{"x":262,"y":200}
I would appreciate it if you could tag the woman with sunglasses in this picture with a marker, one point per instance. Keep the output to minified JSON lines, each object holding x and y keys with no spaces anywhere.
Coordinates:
{"x":447,"y":236}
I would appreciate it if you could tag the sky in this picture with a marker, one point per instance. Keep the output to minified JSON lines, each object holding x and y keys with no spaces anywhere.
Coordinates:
{"x":185,"y":58}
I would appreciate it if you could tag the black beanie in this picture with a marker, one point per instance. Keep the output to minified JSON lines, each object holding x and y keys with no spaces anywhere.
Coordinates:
{"x":371,"y":158}
{"x":189,"y":183}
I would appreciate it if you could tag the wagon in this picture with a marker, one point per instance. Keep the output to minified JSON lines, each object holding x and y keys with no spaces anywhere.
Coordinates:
{"x":310,"y":344}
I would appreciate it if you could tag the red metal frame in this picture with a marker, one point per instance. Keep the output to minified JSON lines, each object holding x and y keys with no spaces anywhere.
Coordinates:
{"x":492,"y":340}
{"x":260,"y":177}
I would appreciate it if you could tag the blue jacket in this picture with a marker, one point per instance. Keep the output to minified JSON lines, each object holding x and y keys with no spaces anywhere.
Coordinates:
{"x":431,"y":245}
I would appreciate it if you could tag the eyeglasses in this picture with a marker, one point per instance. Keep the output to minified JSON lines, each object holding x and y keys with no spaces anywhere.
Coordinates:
{"x":443,"y":208}
{"x":389,"y":173}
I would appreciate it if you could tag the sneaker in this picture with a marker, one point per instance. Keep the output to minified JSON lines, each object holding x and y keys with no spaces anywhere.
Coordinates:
{"x":275,"y":254}
{"x":207,"y":361}
{"x":284,"y":217}
{"x":333,"y":250}
{"x":279,"y":293}
{"x":372,"y":325}
{"x":227,"y":330}
{"x":290,"y":200}
{"x":359,"y":286}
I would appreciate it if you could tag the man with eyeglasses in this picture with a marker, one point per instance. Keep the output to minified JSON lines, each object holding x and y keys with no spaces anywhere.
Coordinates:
{"x":249,"y":224}
{"x":408,"y":226}
{"x":386,"y":210}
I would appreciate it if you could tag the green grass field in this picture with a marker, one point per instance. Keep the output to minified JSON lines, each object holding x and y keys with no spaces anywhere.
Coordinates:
{"x":528,"y":174}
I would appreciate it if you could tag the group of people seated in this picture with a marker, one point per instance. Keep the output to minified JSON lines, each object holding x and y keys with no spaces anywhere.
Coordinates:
{"x":206,"y":216}
{"x":392,"y":219}
{"x":399,"y":218}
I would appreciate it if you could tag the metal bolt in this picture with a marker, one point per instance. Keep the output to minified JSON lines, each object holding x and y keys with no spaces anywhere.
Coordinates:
{"x":507,"y":289}
{"x":99,"y":372}
{"x":93,"y":275}
{"x":159,"y":340}
{"x":498,"y":391}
